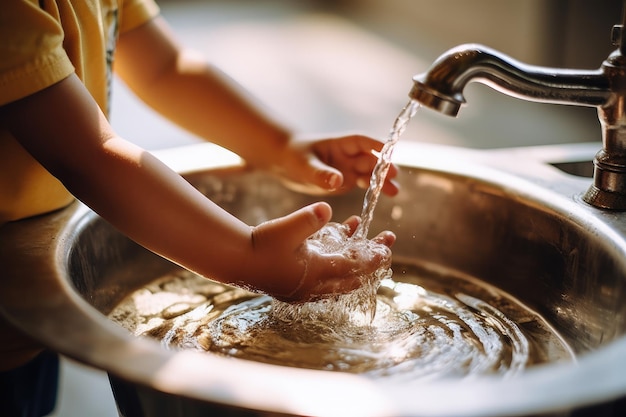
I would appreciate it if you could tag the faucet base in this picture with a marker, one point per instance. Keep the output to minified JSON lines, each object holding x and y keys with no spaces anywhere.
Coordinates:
{"x":608,"y":190}
{"x":606,"y":200}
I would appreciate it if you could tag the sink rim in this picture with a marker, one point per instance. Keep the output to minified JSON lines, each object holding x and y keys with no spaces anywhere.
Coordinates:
{"x":282,"y":389}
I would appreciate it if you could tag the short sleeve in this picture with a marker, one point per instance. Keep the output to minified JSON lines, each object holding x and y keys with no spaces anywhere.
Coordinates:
{"x":137,"y":12}
{"x":31,"y":51}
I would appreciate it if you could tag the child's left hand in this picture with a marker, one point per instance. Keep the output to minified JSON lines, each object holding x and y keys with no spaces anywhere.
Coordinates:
{"x":332,"y":165}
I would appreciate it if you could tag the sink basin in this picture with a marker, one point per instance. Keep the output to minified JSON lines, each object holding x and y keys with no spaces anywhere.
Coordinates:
{"x":516,"y":223}
{"x":579,"y":168}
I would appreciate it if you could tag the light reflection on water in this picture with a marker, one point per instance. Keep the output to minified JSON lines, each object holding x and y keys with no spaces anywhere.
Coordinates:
{"x":426,"y":326}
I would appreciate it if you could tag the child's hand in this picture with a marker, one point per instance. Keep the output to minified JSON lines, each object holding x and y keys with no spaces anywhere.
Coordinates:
{"x":279,"y":267}
{"x":334,"y":165}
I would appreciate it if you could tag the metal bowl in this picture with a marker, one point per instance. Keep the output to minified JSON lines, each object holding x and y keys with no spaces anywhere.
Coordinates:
{"x":507,"y":218}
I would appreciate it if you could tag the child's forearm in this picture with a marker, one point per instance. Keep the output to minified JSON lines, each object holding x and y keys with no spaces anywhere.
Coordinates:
{"x":129,"y":187}
{"x":161,"y":211}
{"x":196,"y":95}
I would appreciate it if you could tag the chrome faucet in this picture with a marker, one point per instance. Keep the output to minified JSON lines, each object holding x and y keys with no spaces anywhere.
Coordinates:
{"x":441,"y":88}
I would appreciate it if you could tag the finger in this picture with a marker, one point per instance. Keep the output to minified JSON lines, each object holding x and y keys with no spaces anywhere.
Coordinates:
{"x":366,"y":165}
{"x":323,"y":289}
{"x":386,"y":238}
{"x":312,"y":170}
{"x":335,"y":286}
{"x":352,"y":222}
{"x":392,"y":172}
{"x":361,"y":144}
{"x":293,"y":228}
{"x":329,"y":275}
{"x":391,"y":188}
{"x":345,"y":274}
{"x":363,"y":164}
{"x":319,"y":174}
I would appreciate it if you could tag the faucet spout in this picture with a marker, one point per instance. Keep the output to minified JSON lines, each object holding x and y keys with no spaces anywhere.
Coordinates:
{"x":441,"y":88}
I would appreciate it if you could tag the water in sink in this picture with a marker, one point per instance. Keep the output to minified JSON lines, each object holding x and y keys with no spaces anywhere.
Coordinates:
{"x":427,"y":325}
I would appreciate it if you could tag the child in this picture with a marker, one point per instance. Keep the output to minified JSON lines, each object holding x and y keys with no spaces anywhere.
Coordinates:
{"x":56,"y":62}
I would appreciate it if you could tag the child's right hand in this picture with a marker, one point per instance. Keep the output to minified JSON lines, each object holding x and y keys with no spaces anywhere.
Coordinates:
{"x":281,"y":268}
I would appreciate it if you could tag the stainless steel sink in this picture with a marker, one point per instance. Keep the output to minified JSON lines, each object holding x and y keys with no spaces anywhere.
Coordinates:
{"x":508,"y":217}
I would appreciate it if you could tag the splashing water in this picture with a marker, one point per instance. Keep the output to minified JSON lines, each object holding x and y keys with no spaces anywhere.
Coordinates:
{"x":379,"y":174}
{"x":359,"y":306}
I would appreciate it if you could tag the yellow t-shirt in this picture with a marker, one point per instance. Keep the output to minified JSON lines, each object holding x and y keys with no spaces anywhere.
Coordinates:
{"x":41,"y":43}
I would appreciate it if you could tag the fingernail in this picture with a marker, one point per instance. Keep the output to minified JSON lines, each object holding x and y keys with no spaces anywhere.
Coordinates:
{"x":333,"y":181}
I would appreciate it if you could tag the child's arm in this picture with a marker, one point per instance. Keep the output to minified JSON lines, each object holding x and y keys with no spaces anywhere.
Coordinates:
{"x":195,"y":95}
{"x":64,"y":129}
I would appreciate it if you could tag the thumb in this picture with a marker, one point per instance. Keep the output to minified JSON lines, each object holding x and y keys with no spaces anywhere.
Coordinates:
{"x":293,"y":228}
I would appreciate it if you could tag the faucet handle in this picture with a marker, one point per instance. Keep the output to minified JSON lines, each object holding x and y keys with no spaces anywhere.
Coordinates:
{"x":616,"y":35}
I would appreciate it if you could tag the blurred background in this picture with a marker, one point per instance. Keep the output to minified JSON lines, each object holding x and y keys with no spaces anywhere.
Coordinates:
{"x":346,"y":65}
